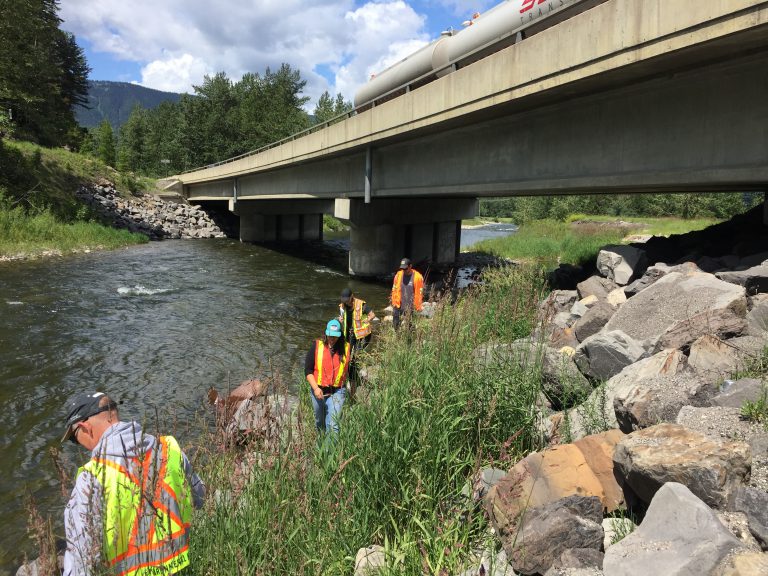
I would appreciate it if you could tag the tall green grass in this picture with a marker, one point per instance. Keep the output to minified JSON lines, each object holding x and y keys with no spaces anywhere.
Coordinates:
{"x":39,"y":211}
{"x":652,"y":226}
{"x":549,"y":242}
{"x":430,"y":416}
{"x":25,"y":234}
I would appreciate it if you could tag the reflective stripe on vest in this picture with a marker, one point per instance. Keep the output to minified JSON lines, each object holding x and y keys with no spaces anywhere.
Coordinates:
{"x":397,"y":286}
{"x":361,"y":326}
{"x":147,"y":511}
{"x":324,"y":374}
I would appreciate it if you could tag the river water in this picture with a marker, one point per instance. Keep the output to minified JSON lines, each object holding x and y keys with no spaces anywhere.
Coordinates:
{"x":155,"y":326}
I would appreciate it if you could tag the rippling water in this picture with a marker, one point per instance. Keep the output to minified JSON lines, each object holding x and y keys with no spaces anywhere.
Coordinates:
{"x":155,"y":326}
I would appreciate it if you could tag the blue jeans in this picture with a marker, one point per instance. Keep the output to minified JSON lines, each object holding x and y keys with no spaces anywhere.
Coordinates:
{"x":328,"y":410}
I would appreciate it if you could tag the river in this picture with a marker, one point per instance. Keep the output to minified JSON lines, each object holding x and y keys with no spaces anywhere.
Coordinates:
{"x":155,"y":326}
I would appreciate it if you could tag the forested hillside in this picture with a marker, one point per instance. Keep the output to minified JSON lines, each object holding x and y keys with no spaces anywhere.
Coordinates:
{"x":114,"y":101}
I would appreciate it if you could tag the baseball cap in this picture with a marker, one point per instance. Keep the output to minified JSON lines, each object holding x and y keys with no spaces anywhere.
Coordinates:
{"x":333,"y":328}
{"x":404,"y":263}
{"x":346,"y":293}
{"x":83,"y":406}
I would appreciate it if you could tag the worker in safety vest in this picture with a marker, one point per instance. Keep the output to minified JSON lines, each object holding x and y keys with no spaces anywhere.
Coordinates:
{"x":355,"y":316}
{"x":325,"y":367}
{"x":131,"y":507}
{"x":406,"y":292}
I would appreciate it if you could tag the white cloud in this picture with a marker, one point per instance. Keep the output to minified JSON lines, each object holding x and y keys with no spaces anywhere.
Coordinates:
{"x":177,"y":42}
{"x":174,"y":74}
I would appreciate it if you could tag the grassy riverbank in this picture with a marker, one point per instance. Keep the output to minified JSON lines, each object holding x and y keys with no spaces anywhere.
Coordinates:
{"x":579,"y":238}
{"x":406,"y":448}
{"x":39,"y":213}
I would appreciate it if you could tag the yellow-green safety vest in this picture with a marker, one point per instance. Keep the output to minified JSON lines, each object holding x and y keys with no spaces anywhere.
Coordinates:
{"x":361,"y":325}
{"x":147,"y":511}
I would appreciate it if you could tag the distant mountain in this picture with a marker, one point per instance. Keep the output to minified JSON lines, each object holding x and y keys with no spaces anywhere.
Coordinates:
{"x":115,"y":100}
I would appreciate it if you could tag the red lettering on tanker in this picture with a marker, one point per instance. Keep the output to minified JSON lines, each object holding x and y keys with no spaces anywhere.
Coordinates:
{"x":528,"y":4}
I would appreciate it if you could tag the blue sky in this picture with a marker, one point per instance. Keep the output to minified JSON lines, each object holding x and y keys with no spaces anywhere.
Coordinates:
{"x":172,"y":44}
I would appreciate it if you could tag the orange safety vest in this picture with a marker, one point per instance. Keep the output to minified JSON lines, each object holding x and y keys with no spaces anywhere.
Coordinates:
{"x":147,"y":511}
{"x":361,"y":326}
{"x":418,"y":286}
{"x":325,"y":375}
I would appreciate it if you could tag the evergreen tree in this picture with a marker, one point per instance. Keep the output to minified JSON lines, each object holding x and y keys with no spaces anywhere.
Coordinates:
{"x":105,"y":143}
{"x":328,"y":108}
{"x":42,"y":71}
{"x":132,"y":143}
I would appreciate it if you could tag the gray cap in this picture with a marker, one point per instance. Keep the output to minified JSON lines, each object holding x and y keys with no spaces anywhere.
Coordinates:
{"x":404,"y":263}
{"x":345,"y":294}
{"x":83,"y":406}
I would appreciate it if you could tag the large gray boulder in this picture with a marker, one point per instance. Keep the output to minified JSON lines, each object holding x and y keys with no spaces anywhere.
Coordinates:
{"x":754,"y":279}
{"x":718,"y":422}
{"x":754,"y":504}
{"x":593,"y":320}
{"x":654,"y":273}
{"x":596,"y":286}
{"x":717,"y":358}
{"x":757,"y":317}
{"x":711,"y":469}
{"x":678,"y":309}
{"x":621,"y":263}
{"x":734,"y":393}
{"x":545,"y":533}
{"x":680,"y":536}
{"x":606,"y":353}
{"x":643,"y":403}
{"x":597,"y":413}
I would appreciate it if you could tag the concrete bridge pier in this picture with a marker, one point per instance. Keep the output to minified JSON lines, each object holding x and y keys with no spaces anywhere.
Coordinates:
{"x":388,"y":229}
{"x":281,"y":220}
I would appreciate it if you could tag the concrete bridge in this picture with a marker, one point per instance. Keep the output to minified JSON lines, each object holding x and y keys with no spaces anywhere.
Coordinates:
{"x":628,"y":96}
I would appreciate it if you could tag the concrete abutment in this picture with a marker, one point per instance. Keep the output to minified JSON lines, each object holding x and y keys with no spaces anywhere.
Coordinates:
{"x":281,"y":220}
{"x":386,"y":230}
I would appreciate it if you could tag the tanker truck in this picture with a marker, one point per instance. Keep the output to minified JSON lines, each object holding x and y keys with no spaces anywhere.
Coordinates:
{"x":501,"y":26}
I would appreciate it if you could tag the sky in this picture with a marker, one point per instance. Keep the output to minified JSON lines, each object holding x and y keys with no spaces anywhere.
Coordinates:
{"x":171,"y":45}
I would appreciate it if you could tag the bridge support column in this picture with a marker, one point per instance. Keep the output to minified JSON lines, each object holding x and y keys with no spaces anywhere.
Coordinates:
{"x":765,"y":208}
{"x":281,"y":220}
{"x":388,"y":229}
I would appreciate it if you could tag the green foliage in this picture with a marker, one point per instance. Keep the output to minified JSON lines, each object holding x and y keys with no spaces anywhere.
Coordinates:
{"x":43,"y":71}
{"x":331,"y":224}
{"x":757,"y":411}
{"x":39,"y":211}
{"x":548,"y":243}
{"x":713,"y":205}
{"x":328,"y":108}
{"x":105,"y":144}
{"x":223,"y":119}
{"x":394,"y":474}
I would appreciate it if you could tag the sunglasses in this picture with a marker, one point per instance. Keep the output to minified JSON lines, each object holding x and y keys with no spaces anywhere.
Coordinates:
{"x":76,"y":425}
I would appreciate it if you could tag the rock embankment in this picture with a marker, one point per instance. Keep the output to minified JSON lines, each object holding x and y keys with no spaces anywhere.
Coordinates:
{"x":651,"y":373}
{"x":148,"y":215}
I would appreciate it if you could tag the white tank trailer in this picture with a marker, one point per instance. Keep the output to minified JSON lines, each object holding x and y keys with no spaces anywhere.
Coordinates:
{"x":485,"y":34}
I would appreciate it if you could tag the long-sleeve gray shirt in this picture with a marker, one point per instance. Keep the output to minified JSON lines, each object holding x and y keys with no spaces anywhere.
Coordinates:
{"x":83,"y":514}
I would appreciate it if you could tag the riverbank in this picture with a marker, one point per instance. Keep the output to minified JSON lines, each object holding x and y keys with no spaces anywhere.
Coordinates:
{"x":440,"y":410}
{"x":485,"y":387}
{"x":473,"y":399}
{"x":40,"y":213}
